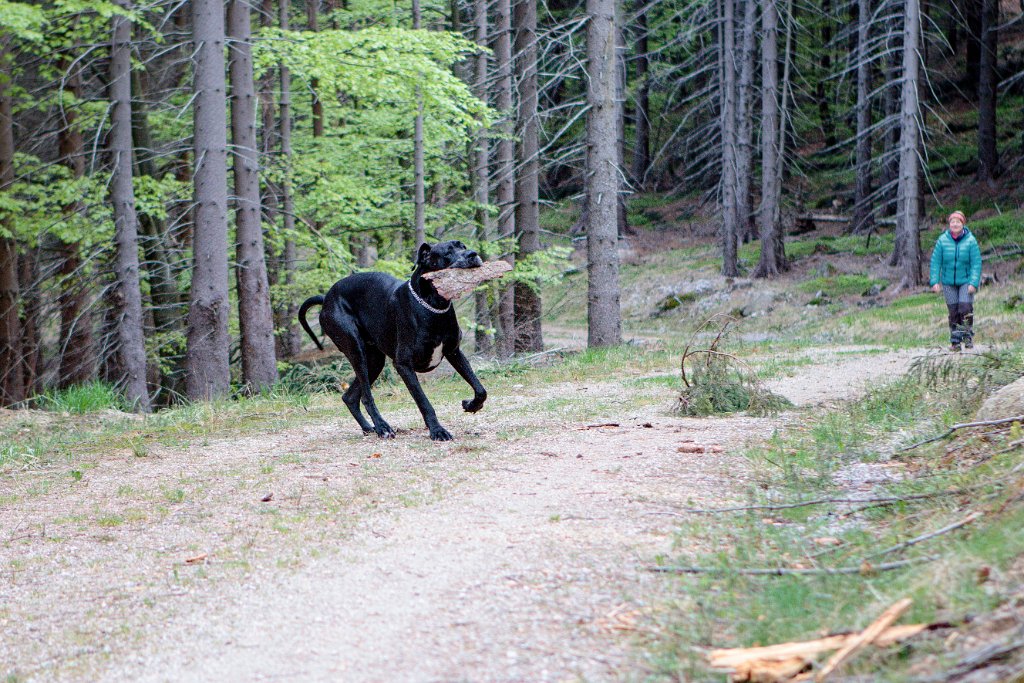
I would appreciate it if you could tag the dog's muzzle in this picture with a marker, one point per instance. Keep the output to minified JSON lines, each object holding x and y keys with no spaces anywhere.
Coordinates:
{"x":471,"y":260}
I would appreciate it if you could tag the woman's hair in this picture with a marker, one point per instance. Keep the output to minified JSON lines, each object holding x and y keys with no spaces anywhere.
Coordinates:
{"x":963,"y":218}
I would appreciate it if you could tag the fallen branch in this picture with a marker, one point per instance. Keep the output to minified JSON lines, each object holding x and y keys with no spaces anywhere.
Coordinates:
{"x":1009,"y":447}
{"x":823,"y":218}
{"x":954,"y":492}
{"x":598,"y":426}
{"x":864,"y":568}
{"x":730,"y":658}
{"x":975,"y":660}
{"x":820,"y":501}
{"x":866,"y":637}
{"x":924,"y":537}
{"x":965,"y":425}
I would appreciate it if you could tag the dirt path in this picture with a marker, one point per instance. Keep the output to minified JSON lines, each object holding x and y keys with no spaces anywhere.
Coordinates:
{"x":519,"y":561}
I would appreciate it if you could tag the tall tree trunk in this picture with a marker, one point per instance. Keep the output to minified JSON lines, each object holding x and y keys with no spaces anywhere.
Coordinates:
{"x":972,"y":10}
{"x":31,"y":342}
{"x":268,"y":121}
{"x":828,"y":126}
{"x":863,"y":219}
{"x":988,"y":81}
{"x":317,"y":110}
{"x":289,"y":340}
{"x":75,"y":341}
{"x":166,"y":308}
{"x":207,"y":342}
{"x":745,"y":125}
{"x":419,"y":180}
{"x":604,"y":326}
{"x":769,"y":264}
{"x":727,"y":125}
{"x":128,"y":296}
{"x":890,"y":156}
{"x":505,"y":171}
{"x":481,"y":178}
{"x":12,"y":379}
{"x":622,"y":214}
{"x":255,"y":316}
{"x":908,"y":216}
{"x":642,"y":138}
{"x":529,"y":336}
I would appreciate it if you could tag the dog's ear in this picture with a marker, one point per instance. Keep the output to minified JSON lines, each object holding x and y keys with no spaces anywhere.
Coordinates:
{"x":423,"y":253}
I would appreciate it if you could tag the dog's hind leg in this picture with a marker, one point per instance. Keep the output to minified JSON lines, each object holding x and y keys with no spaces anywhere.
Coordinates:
{"x":351,"y":399}
{"x":374,"y":364}
{"x":367,"y":365}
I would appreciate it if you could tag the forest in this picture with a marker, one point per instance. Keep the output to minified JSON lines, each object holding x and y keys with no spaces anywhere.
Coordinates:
{"x":725,"y":437}
{"x":177,"y":175}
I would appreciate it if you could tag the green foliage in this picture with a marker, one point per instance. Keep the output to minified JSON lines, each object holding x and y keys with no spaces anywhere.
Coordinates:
{"x":718,"y":386}
{"x":82,"y":398}
{"x":355,"y":178}
{"x":331,"y":376}
{"x":541,"y":267}
{"x":999,"y":230}
{"x":389,"y":68}
{"x":37,"y":205}
{"x":22,"y":19}
{"x":841,"y":285}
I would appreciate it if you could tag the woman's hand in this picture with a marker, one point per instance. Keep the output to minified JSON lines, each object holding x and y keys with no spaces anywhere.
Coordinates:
{"x":937,"y":287}
{"x":972,"y":289}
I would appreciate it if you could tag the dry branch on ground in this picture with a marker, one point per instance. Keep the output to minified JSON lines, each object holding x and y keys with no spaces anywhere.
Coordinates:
{"x":791,"y":661}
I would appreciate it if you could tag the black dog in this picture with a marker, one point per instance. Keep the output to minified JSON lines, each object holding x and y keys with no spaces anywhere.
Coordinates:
{"x":373,"y":315}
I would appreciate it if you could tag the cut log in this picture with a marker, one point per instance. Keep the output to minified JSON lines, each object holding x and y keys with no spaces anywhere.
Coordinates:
{"x":455,"y":283}
{"x":733,"y":658}
{"x":865,"y":637}
{"x":770,"y":672}
{"x":823,"y":218}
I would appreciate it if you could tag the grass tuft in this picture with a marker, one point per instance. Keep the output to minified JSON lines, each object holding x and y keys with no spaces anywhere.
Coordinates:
{"x":82,"y":398}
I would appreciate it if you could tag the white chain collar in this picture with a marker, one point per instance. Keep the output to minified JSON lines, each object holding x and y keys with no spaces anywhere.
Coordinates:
{"x":425,"y":304}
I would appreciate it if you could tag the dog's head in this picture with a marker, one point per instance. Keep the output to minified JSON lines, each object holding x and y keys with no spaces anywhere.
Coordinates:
{"x":452,"y":254}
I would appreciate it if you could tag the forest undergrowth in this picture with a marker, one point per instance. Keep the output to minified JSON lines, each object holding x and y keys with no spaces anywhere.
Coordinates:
{"x":859,"y":506}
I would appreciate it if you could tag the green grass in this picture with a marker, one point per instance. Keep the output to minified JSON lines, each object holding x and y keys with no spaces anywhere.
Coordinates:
{"x":82,"y":398}
{"x":802,"y":464}
{"x":841,"y":285}
{"x":1002,"y":230}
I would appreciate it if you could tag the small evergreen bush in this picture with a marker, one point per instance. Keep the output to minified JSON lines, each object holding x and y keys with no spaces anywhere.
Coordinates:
{"x":720,"y":382}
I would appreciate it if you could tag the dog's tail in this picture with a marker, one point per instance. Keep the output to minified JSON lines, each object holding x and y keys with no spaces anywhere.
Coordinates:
{"x":311,"y":301}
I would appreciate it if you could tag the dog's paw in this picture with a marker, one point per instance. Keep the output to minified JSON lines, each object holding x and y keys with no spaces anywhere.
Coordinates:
{"x":472,"y":405}
{"x":440,"y":434}
{"x":385,"y":431}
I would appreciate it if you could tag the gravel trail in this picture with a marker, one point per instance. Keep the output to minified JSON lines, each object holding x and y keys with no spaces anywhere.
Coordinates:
{"x":523,"y":561}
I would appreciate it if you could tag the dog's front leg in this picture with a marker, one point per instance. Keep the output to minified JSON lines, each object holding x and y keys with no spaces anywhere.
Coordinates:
{"x":461,"y":365}
{"x":412,"y":382}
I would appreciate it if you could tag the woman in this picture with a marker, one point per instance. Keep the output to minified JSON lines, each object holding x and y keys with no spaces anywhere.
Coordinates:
{"x":956,"y":272}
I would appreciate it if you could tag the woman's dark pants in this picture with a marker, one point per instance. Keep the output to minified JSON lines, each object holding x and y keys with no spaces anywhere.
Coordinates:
{"x":960,"y":305}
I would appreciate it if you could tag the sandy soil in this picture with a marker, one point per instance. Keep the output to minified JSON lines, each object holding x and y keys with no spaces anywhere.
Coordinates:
{"x":401,"y":561}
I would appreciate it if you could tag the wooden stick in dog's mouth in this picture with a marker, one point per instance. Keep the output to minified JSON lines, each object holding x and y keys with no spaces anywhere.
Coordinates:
{"x":455,"y":283}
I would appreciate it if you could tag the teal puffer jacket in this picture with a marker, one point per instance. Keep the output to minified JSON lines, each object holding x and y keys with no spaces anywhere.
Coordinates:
{"x":956,"y":262}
